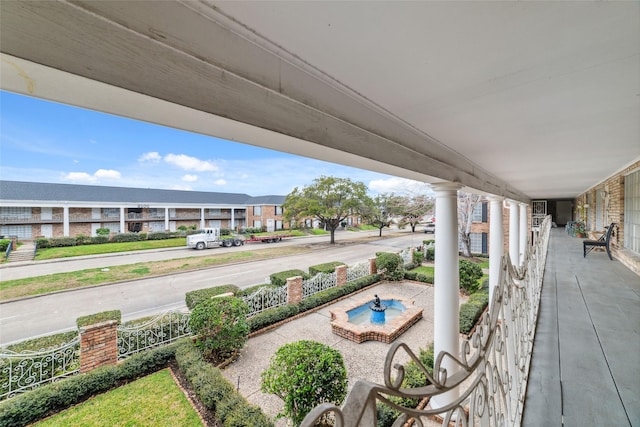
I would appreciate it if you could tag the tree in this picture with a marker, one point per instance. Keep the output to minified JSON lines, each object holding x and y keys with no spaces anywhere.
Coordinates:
{"x":328,"y":199}
{"x":466,"y":204}
{"x":413,"y":209}
{"x":305,"y":374}
{"x":380,"y":210}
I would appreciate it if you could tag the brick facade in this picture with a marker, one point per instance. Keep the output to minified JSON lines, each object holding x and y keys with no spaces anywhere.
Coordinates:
{"x":98,"y":345}
{"x":294,"y":290}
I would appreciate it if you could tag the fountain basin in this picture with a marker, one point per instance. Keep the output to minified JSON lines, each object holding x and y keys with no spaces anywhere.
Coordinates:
{"x":352,"y":321}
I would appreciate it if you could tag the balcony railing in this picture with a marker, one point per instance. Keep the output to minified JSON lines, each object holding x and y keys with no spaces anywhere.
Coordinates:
{"x":489,"y":385}
{"x":130,"y":216}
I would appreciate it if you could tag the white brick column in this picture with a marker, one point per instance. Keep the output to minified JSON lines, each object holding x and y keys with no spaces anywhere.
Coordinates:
{"x":166,"y":219}
{"x":122,"y":218}
{"x":233,"y":220}
{"x":496,"y":242}
{"x":446,"y":281}
{"x":514,"y":234}
{"x":202,"y":218}
{"x":523,"y":232}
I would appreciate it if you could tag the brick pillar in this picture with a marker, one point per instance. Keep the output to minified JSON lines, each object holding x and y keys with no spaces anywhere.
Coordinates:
{"x":98,"y":345}
{"x":372,"y":266}
{"x":294,"y":290}
{"x":341,"y":275}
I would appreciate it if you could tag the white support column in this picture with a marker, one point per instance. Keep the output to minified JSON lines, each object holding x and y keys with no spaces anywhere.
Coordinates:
{"x":523,"y":232}
{"x":166,"y":219}
{"x":514,"y":235}
{"x":233,"y":220}
{"x":496,"y":242}
{"x":122,"y":229}
{"x":446,"y":281}
{"x":202,"y":218}
{"x":65,"y":221}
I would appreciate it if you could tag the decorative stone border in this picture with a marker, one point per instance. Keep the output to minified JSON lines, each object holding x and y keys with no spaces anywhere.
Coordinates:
{"x":386,"y":333}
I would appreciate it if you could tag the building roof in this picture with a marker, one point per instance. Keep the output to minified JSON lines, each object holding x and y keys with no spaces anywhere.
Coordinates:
{"x":15,"y":191}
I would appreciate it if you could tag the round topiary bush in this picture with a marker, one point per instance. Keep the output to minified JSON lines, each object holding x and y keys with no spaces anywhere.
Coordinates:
{"x":305,"y":374}
{"x":220,"y":325}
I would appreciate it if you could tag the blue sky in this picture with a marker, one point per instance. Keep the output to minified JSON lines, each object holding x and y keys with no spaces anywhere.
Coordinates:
{"x":42,"y":141}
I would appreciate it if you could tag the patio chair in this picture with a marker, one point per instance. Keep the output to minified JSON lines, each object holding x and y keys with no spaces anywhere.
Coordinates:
{"x":602,"y":242}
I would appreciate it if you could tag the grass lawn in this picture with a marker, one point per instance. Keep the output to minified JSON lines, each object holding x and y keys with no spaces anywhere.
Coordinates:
{"x":106,"y":248}
{"x":155,"y":400}
{"x":39,"y":285}
{"x":423,"y":269}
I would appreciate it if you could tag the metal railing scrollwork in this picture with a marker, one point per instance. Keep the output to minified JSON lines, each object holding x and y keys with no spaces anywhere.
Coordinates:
{"x":20,"y":372}
{"x":485,"y":384}
{"x":158,"y":331}
{"x":265,"y":298}
{"x":317,"y":283}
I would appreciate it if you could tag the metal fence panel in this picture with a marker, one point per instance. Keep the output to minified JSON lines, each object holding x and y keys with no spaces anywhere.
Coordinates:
{"x":161,"y":330}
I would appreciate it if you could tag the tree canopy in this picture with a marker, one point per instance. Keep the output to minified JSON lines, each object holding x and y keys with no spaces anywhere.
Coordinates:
{"x":328,"y":199}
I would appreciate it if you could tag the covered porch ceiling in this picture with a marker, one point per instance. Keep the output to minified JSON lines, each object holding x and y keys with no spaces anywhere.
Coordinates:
{"x":521,"y":99}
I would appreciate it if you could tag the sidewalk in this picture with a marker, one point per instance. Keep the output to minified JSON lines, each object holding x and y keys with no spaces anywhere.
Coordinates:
{"x":363,"y":361}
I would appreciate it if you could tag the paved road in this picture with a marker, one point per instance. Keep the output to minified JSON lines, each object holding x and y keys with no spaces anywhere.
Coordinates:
{"x":57,"y":312}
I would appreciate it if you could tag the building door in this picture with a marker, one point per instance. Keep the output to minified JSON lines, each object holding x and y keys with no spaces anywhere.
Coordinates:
{"x":563,"y":212}
{"x":271,"y":225}
{"x":46,"y":230}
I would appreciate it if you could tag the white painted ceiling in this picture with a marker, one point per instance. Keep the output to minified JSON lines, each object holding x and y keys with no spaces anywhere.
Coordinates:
{"x":523,"y":99}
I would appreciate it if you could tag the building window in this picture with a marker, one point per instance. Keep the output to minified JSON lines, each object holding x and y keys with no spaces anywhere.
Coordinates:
{"x":257,"y":210}
{"x":156,"y":213}
{"x":156,"y":226}
{"x":478,"y":243}
{"x":215,"y":212}
{"x":257,"y":224}
{"x":278,"y":210}
{"x":111,"y":213}
{"x":21,"y":231}
{"x":631,"y":212}
{"x":14,"y":212}
{"x":278,"y":224}
{"x":114,"y":227}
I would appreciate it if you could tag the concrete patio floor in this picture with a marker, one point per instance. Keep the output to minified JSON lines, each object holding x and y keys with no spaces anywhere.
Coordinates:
{"x":585,"y":368}
{"x":363,"y":361}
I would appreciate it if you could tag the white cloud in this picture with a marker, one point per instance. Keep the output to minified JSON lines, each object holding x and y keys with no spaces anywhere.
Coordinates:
{"x":399,"y":186}
{"x":190,"y":163}
{"x":107,"y":174}
{"x":220,"y":182}
{"x":78,"y":177}
{"x":190,"y":178}
{"x":152,"y":156}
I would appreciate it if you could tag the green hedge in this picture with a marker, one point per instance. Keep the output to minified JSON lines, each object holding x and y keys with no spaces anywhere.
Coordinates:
{"x":103,"y":316}
{"x":250,"y":290}
{"x":327,"y":267}
{"x":192,"y":298}
{"x":4,"y":244}
{"x":272,"y":316}
{"x":126,"y":237}
{"x":471,"y":311}
{"x":391,"y":264}
{"x":215,"y":392}
{"x":419,"y":277}
{"x":280,"y":278}
{"x":49,"y":399}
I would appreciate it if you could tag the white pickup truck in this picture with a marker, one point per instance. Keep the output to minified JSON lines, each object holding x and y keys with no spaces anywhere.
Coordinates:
{"x":210,"y":238}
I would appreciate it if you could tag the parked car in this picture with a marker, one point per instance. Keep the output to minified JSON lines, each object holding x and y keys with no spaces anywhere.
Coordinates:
{"x":430,"y":228}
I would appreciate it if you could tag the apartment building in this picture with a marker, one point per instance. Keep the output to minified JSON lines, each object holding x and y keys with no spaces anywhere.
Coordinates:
{"x":30,"y":210}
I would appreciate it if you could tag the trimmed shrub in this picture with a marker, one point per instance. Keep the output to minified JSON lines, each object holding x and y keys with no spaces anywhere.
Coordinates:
{"x":471,"y":311}
{"x":250,"y":290}
{"x":82,"y":239}
{"x":159,"y":235}
{"x":305,"y":374}
{"x":418,"y":256}
{"x":61,"y":242}
{"x":4,"y":244}
{"x":470,"y":273}
{"x":103,"y":316}
{"x":385,"y":415}
{"x":280,"y":279}
{"x":126,"y":237}
{"x":49,"y":399}
{"x":103,"y":232}
{"x":192,"y":298}
{"x":327,"y":267}
{"x":430,"y":253}
{"x":271,"y":316}
{"x":220,"y":325}
{"x":99,"y":240}
{"x":419,"y":277}
{"x":214,"y":391}
{"x":42,"y":243}
{"x":391,"y":265}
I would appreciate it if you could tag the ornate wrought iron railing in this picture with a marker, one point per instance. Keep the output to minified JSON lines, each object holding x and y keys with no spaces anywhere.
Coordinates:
{"x":20,"y":372}
{"x":357,"y":271}
{"x":406,"y":255}
{"x":158,"y":331}
{"x":317,"y":283}
{"x":489,"y":381}
{"x":265,"y":298}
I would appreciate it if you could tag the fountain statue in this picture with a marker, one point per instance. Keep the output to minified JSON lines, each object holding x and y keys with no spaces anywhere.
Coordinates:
{"x":377,"y":311}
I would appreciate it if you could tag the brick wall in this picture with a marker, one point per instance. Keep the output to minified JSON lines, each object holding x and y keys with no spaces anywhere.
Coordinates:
{"x":294,"y":290}
{"x":98,"y":345}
